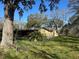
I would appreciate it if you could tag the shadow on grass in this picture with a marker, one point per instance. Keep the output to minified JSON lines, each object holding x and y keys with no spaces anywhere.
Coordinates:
{"x":39,"y":52}
{"x":44,"y":54}
{"x":66,"y":40}
{"x":69,"y":42}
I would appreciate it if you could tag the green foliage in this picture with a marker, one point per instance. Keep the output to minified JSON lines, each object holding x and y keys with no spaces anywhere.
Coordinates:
{"x":58,"y":48}
{"x":28,"y":4}
{"x":36,"y":36}
{"x":33,"y":23}
{"x":36,"y":20}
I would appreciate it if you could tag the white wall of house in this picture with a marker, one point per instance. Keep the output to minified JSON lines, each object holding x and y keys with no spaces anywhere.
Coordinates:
{"x":48,"y":34}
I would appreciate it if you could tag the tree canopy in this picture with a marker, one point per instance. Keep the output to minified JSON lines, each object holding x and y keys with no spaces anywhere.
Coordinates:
{"x":28,"y":4}
{"x":36,"y":20}
{"x":74,"y":5}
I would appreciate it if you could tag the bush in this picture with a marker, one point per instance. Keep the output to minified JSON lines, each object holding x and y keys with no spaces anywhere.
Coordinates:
{"x":36,"y":36}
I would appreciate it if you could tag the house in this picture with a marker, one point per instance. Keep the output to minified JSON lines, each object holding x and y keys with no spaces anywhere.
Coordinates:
{"x":49,"y":33}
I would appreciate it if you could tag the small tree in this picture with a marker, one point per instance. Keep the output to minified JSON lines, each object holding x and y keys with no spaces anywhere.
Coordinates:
{"x":36,"y":20}
{"x":57,"y":23}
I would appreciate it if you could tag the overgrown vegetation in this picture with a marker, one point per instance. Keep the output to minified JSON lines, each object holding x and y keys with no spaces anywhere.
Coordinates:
{"x":34,"y":36}
{"x":33,"y":45}
{"x":56,"y":48}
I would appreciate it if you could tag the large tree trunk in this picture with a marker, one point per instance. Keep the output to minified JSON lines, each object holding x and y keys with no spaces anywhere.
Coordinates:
{"x":7,"y":34}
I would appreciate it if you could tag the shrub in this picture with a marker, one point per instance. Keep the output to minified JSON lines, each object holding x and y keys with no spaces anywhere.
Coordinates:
{"x":36,"y":36}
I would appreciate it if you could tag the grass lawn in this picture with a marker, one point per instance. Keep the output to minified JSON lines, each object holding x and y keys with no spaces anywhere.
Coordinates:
{"x":56,"y":48}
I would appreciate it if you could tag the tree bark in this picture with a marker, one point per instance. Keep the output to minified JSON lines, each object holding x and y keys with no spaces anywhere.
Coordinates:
{"x":7,"y":34}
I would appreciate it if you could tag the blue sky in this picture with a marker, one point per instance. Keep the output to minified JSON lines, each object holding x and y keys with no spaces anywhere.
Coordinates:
{"x":62,"y":6}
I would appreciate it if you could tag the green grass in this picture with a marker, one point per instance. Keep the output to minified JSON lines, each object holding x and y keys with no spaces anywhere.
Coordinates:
{"x":56,"y":48}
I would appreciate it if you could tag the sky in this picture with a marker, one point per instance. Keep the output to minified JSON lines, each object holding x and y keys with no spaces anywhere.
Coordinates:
{"x":63,"y":6}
